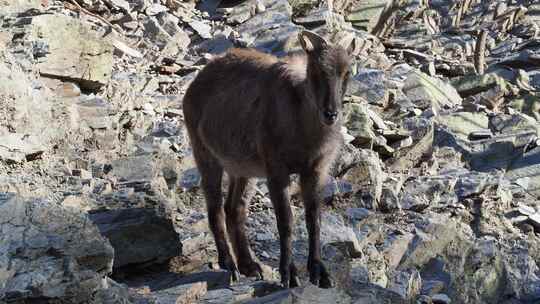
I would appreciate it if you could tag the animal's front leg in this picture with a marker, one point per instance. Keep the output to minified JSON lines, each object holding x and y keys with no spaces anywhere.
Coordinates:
{"x":280,"y":199}
{"x":311,"y":183}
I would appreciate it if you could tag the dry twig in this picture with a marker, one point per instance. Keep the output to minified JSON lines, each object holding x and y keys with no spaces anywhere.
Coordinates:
{"x":480,"y":52}
{"x":79,"y":8}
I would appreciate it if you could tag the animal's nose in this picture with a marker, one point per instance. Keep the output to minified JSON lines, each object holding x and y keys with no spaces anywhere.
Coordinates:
{"x":331,"y":116}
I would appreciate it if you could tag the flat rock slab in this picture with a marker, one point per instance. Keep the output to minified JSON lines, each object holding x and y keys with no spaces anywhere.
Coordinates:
{"x":425,"y":91}
{"x":17,"y":147}
{"x":77,"y":53}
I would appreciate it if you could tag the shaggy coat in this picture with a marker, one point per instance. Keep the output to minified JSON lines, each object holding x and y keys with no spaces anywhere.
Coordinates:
{"x":250,"y":114}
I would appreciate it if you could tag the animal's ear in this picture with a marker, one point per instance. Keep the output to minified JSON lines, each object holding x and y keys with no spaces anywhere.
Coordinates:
{"x":311,"y":42}
{"x":349,"y":44}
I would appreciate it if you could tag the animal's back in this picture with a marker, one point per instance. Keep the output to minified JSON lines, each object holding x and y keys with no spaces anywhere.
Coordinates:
{"x":223,"y":107}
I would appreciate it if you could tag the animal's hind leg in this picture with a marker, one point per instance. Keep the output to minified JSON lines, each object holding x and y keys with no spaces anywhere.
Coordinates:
{"x":241,"y":191}
{"x":211,"y":176}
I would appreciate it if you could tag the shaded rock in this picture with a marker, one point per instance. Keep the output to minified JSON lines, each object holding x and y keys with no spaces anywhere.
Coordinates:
{"x":49,"y":253}
{"x":76,"y":52}
{"x":138,"y":236}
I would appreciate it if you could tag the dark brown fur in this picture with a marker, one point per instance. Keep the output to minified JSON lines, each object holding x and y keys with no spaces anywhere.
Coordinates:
{"x":254,"y":115}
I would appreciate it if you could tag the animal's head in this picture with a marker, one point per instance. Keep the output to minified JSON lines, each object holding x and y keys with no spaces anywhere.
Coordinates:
{"x":327,"y":76}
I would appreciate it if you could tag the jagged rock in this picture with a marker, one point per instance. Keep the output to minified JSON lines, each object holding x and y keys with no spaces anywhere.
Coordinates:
{"x":138,"y":236}
{"x":76,"y":52}
{"x":49,"y":253}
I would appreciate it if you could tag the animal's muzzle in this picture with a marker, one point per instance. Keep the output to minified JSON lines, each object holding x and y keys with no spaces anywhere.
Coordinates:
{"x":330,"y":117}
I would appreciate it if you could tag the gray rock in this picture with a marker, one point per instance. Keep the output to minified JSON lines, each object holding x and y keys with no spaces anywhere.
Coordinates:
{"x":201,"y":28}
{"x":49,"y":253}
{"x":155,"y":9}
{"x":373,"y":294}
{"x":358,"y":122}
{"x":431,"y":287}
{"x":406,"y":283}
{"x":304,"y":295}
{"x":269,"y":31}
{"x":367,"y":177}
{"x":357,"y":214}
{"x":494,"y":153}
{"x":138,"y":236}
{"x":155,"y":32}
{"x":76,"y":52}
{"x":182,"y":294}
{"x":441,"y":298}
{"x":425,"y":91}
{"x":366,"y":15}
{"x":369,"y":84}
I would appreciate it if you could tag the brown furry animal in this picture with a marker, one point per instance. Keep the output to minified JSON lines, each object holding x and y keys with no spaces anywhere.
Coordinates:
{"x":253,"y":115}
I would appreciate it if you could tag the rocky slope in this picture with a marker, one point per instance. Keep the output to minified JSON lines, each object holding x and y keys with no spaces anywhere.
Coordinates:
{"x":433,"y":199}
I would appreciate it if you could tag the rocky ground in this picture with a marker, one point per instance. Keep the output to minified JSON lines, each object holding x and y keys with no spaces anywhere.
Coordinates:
{"x":434,"y":197}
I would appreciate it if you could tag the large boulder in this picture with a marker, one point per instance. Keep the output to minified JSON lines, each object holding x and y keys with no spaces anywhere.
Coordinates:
{"x":76,"y":52}
{"x":48,"y":253}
